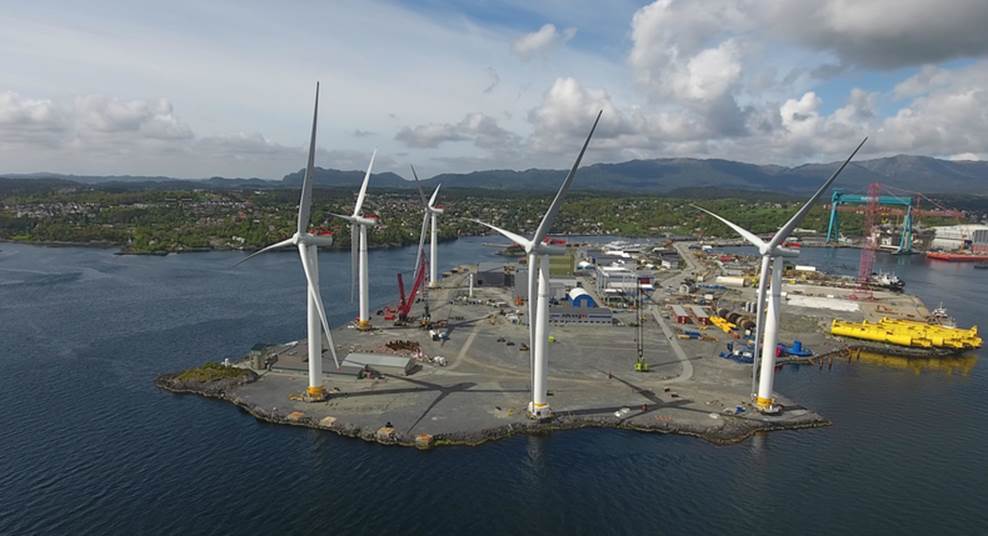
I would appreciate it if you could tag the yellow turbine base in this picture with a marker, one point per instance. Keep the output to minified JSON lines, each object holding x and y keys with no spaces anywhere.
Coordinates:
{"x":316,"y":392}
{"x":364,"y":325}
{"x":763,"y":403}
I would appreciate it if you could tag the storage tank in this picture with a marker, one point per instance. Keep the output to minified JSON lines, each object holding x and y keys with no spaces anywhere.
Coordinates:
{"x":730,"y":280}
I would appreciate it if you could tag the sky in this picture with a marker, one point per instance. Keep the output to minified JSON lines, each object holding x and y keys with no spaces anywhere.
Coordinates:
{"x":225,"y":88}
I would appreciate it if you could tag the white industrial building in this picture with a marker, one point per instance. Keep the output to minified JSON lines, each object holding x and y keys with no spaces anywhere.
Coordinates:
{"x":954,"y":237}
{"x":558,"y":286}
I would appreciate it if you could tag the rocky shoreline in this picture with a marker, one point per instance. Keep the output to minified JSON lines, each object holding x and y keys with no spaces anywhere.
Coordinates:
{"x":734,"y":428}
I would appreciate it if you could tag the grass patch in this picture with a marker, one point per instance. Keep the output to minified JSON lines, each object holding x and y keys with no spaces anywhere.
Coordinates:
{"x":211,"y":372}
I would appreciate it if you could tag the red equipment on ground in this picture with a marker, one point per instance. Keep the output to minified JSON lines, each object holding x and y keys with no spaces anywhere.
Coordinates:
{"x":405,"y":303}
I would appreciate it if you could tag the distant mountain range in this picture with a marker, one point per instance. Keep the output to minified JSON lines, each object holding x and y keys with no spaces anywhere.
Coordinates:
{"x":657,"y":176}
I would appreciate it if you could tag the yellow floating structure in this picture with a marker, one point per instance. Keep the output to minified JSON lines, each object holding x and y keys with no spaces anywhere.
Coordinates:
{"x":722,"y":323}
{"x":909,"y":333}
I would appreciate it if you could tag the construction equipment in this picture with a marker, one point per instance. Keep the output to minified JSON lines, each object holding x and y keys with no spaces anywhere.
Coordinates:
{"x":640,"y":364}
{"x":405,"y":302}
{"x":421,"y":265}
{"x":722,"y":323}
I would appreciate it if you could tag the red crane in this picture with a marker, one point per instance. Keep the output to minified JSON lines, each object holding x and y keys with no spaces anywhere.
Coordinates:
{"x":867,"y":263}
{"x":405,"y":302}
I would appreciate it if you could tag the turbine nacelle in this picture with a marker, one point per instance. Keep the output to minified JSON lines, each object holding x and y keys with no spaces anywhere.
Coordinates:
{"x":309,"y":239}
{"x":546,"y":248}
{"x":785,"y":252}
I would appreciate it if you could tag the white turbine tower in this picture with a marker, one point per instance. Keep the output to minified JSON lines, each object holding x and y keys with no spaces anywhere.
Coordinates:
{"x":772,"y":253}
{"x":358,"y":249}
{"x":434,"y":212}
{"x":538,"y":252}
{"x":308,"y":249}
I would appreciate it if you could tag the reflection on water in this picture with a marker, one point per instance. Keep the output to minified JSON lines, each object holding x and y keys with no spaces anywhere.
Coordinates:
{"x":956,"y":364}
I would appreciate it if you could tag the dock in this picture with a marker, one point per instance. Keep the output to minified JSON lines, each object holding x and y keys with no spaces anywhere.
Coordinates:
{"x":482,"y":392}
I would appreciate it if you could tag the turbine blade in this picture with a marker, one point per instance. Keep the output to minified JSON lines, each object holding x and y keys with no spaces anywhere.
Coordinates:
{"x":418,"y":185}
{"x":354,"y":259}
{"x":341,"y":216}
{"x":276,"y":245}
{"x":517,"y":239}
{"x":550,"y":215}
{"x":783,"y":233}
{"x":317,"y":299}
{"x":747,"y":235}
{"x":419,"y":254}
{"x":305,"y":203}
{"x":432,"y":200}
{"x":363,"y":186}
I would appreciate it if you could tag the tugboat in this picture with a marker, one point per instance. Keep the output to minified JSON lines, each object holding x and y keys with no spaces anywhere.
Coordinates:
{"x":888,"y":280}
{"x":942,"y":317}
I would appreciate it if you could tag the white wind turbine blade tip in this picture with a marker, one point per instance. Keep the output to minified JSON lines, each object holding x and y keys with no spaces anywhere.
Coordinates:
{"x":363,"y":185}
{"x":550,"y":215}
{"x":305,"y":201}
{"x":747,"y":235}
{"x":797,"y":218}
{"x":276,"y":245}
{"x":418,"y":186}
{"x":517,"y":239}
{"x":432,"y":200}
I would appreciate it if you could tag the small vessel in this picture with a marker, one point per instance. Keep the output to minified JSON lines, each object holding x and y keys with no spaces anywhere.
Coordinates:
{"x":981,"y":266}
{"x":957,"y":256}
{"x":888,"y":280}
{"x":942,"y":317}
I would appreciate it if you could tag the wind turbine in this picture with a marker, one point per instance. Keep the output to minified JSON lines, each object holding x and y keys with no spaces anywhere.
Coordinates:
{"x":308,"y":250}
{"x":772,"y":253}
{"x":358,"y":249}
{"x":538,"y":251}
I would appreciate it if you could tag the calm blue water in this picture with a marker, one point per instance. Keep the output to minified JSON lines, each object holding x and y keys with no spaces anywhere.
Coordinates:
{"x":89,"y":446}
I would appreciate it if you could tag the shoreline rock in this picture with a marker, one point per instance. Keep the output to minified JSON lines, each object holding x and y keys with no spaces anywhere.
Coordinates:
{"x":735,"y":429}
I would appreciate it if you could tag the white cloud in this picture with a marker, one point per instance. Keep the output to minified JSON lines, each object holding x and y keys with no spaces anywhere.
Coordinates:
{"x":881,"y":33}
{"x":720,"y":78}
{"x":494,"y":79}
{"x":562,"y":120}
{"x":25,"y":121}
{"x":480,"y":129}
{"x":150,"y":118}
{"x":541,"y":41}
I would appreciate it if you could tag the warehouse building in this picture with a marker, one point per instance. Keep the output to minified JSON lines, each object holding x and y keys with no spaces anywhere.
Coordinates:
{"x":700,"y":314}
{"x":954,"y":237}
{"x":580,"y":298}
{"x":680,"y":315}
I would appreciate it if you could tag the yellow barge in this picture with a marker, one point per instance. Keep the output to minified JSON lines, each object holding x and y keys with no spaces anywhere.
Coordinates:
{"x":909,"y":333}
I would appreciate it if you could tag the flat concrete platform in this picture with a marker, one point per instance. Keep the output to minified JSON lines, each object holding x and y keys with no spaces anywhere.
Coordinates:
{"x":483,"y":392}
